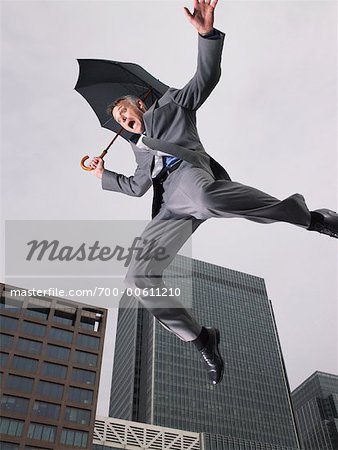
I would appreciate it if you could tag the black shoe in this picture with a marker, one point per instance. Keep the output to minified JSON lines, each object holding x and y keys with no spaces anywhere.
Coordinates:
{"x":212,"y":357}
{"x":324,"y":221}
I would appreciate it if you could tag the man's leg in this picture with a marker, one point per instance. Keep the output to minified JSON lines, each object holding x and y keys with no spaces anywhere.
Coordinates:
{"x":201,"y":196}
{"x":145,"y":274}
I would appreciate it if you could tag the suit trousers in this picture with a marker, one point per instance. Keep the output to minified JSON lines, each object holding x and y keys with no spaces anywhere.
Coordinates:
{"x":190,"y":196}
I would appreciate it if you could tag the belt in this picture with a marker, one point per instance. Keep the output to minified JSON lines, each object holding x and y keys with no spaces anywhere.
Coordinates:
{"x":165,"y":172}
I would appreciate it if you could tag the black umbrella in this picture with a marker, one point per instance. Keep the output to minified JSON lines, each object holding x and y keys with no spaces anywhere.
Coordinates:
{"x":101,"y":82}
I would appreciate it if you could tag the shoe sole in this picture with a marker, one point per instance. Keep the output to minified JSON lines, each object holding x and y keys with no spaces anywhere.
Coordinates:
{"x":218,"y":340}
{"x":325,"y":230}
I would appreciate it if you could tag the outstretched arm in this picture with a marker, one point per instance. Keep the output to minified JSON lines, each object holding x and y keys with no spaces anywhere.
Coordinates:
{"x":210,"y":46}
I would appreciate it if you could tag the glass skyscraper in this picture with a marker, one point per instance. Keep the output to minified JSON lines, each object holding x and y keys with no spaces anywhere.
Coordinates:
{"x":158,"y":379}
{"x":316,"y":405}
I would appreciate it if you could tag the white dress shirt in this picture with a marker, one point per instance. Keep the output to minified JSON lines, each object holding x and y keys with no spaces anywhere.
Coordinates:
{"x":158,"y":166}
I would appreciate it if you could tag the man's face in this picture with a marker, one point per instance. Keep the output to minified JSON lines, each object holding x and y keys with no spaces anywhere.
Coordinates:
{"x":130,"y":116}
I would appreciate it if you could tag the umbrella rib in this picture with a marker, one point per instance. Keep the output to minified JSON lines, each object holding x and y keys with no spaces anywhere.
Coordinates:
{"x":136,"y":76}
{"x":110,"y":118}
{"x":122,"y":64}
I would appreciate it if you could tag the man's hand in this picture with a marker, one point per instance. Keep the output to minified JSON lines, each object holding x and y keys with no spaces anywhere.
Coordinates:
{"x":203,"y":16}
{"x":98,"y":165}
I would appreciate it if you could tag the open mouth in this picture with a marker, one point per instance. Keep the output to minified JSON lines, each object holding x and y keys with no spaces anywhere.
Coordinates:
{"x":131,"y":124}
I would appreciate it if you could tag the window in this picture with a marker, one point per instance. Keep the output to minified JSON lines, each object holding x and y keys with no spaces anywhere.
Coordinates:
{"x":54,"y":370}
{"x":64,"y":317}
{"x":84,"y":340}
{"x":24,"y":364}
{"x":35,"y":311}
{"x":74,"y":438}
{"x":61,"y":335}
{"x":26,"y":345}
{"x":34,"y":329}
{"x":28,"y":447}
{"x":18,"y":383}
{"x":8,"y":323}
{"x":54,"y":351}
{"x":46,"y":410}
{"x":8,"y":446}
{"x":3,"y":359}
{"x":11,"y":427}
{"x":85,"y":358}
{"x":83,"y":376}
{"x":77,"y":415}
{"x":6,"y":340}
{"x":87,"y":323}
{"x":48,"y":389}
{"x":14,"y":404}
{"x":80,"y":395}
{"x":91,"y":323}
{"x":10,"y":304}
{"x":41,"y":432}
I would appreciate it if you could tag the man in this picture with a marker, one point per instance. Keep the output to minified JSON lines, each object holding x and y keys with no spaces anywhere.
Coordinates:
{"x":189,"y":186}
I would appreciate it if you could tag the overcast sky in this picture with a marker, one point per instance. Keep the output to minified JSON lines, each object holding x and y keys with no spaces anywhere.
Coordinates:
{"x":271,"y":121}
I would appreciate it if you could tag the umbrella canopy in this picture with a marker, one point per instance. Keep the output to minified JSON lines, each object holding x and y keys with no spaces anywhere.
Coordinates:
{"x":101,"y":82}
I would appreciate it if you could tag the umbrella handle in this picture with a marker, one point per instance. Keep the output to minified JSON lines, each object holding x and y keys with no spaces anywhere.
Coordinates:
{"x":82,"y":162}
{"x":105,"y":151}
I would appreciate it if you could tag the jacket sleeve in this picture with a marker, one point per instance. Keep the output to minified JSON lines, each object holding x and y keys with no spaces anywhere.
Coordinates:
{"x":207,"y":75}
{"x":135,"y":185}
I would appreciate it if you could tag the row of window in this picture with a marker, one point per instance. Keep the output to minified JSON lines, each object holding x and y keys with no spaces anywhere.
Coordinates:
{"x":47,"y":389}
{"x":13,"y":427}
{"x":35,"y":329}
{"x":10,"y":403}
{"x":48,"y":369}
{"x":53,"y":351}
{"x":63,"y":317}
{"x":10,"y":446}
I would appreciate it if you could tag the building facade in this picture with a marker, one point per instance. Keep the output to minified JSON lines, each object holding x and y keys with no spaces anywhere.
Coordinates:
{"x":115,"y":434}
{"x":159,"y":380}
{"x":51,"y":351}
{"x":316,"y":406}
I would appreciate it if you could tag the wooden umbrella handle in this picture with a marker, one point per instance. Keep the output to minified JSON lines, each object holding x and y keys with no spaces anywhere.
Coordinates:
{"x":82,"y":162}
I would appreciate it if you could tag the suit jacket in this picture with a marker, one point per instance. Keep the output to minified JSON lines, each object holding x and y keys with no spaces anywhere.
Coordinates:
{"x":170,"y":125}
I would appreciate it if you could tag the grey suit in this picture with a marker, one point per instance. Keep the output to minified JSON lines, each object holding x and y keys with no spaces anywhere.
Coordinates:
{"x":199,"y":189}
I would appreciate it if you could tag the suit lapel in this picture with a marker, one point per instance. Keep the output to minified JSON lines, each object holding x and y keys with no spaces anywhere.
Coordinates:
{"x":148,"y":118}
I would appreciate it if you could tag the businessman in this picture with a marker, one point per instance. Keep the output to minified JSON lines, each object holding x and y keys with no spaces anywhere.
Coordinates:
{"x":190,"y":186}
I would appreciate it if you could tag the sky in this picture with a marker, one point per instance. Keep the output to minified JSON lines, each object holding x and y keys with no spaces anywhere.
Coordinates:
{"x":271,"y":122}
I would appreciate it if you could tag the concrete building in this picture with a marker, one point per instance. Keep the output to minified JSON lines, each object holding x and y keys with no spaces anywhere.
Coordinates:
{"x":51,"y":351}
{"x":159,"y":380}
{"x":116,"y":434}
{"x":316,"y":406}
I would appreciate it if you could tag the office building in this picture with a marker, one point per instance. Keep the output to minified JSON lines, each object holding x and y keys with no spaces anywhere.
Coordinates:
{"x":316,"y":407}
{"x":51,"y":351}
{"x":159,"y":380}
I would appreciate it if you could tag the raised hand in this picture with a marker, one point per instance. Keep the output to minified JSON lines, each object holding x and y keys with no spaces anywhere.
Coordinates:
{"x":202,"y":17}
